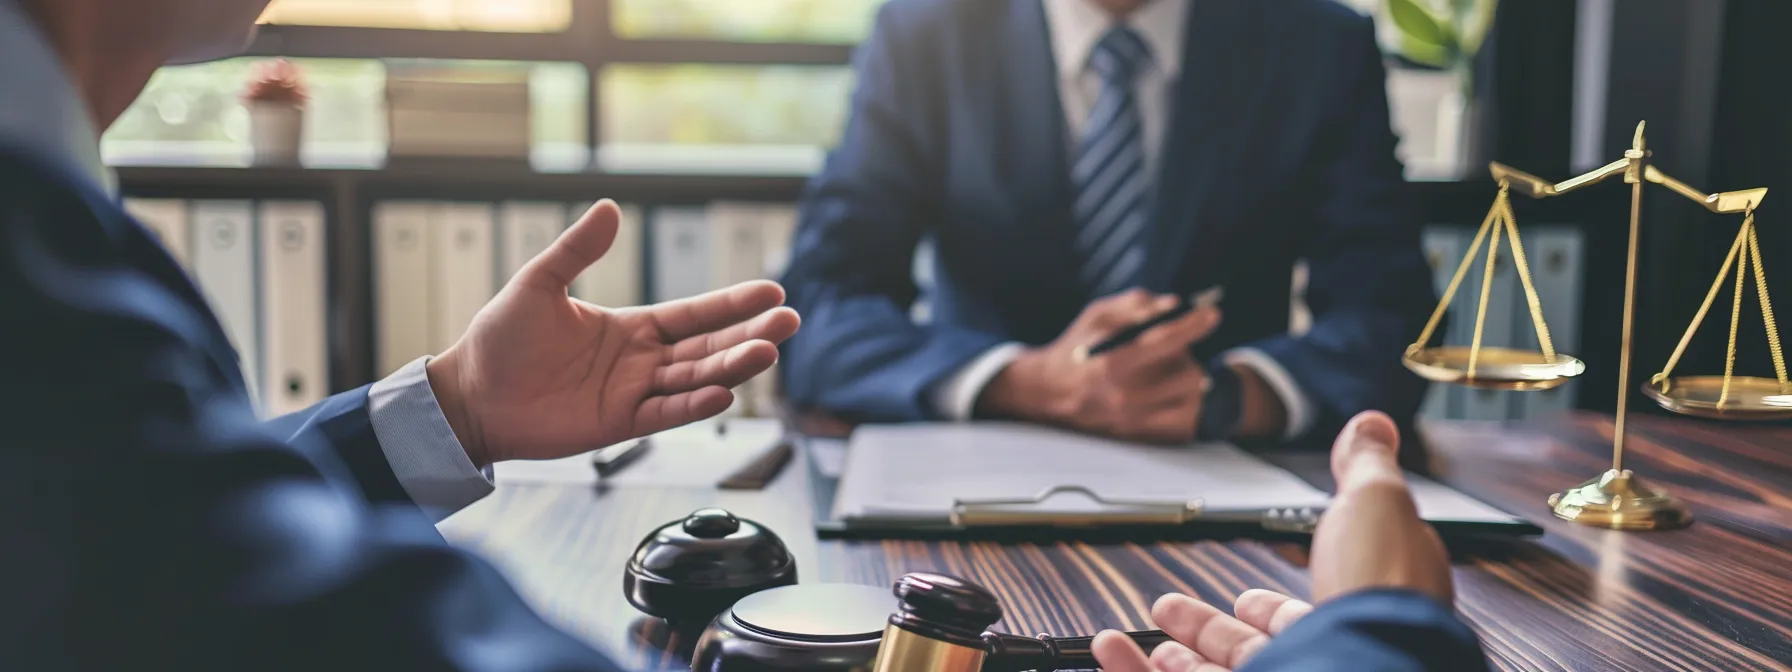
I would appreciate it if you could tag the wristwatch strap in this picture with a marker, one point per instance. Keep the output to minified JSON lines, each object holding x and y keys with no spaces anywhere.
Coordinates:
{"x":1223,"y":405}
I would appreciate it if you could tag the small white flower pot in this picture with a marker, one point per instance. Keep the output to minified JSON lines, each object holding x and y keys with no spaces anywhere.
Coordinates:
{"x":276,"y":130}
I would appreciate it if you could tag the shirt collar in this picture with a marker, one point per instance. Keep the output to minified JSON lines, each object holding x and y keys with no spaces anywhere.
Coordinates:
{"x":43,"y":110}
{"x":1076,"y":25}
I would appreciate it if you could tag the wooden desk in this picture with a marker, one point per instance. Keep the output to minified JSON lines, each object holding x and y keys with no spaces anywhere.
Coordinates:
{"x":1715,"y":596}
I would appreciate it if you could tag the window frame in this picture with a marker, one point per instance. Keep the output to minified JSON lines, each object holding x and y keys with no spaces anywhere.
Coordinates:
{"x":589,"y":40}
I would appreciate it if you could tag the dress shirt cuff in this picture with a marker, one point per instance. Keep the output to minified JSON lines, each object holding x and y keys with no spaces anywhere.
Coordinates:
{"x":1294,"y":401}
{"x":427,"y":459}
{"x":955,"y":398}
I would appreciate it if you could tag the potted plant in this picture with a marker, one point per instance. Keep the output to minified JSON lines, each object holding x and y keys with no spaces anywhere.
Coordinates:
{"x":276,"y":99}
{"x":1431,"y":93}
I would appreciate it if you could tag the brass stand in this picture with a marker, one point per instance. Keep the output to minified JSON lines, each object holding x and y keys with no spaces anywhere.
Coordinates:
{"x":1617,"y":499}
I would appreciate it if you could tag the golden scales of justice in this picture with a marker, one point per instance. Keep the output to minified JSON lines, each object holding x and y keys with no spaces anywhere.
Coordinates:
{"x":1617,"y":499}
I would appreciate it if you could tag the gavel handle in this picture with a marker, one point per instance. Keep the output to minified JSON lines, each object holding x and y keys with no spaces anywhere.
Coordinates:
{"x":1013,"y":653}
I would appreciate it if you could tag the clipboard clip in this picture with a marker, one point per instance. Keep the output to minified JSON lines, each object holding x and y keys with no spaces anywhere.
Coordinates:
{"x":978,"y":512}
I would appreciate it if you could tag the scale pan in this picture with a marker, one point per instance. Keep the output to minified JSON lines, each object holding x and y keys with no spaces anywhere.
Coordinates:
{"x":1751,"y":398}
{"x":1496,"y":369}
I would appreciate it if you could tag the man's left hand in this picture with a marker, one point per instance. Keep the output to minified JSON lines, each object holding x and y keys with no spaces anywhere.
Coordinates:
{"x":541,"y":375}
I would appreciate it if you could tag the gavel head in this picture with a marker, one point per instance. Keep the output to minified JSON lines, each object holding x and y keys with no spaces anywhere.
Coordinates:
{"x":938,"y":626}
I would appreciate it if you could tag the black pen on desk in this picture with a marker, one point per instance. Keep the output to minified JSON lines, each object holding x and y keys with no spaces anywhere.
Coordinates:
{"x":612,"y":460}
{"x":1206,"y":298}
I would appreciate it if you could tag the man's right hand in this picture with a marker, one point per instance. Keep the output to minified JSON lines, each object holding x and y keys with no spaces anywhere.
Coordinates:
{"x":1147,"y":390}
{"x":1370,"y":538}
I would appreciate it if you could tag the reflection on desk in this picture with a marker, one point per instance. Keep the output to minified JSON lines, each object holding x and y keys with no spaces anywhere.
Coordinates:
{"x":1709,"y":597}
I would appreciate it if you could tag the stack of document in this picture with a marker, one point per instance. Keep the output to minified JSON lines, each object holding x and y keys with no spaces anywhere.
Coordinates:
{"x":923,"y":472}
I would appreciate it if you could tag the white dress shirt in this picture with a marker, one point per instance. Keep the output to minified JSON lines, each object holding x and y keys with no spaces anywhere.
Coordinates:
{"x":43,"y":111}
{"x":1075,"y":27}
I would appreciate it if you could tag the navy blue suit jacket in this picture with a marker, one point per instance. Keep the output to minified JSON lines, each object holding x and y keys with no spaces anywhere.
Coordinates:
{"x":1278,"y":149}
{"x":149,"y":521}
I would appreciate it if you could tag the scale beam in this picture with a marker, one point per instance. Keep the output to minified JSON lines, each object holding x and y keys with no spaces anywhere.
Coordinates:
{"x":1726,"y":202}
{"x":1537,"y":187}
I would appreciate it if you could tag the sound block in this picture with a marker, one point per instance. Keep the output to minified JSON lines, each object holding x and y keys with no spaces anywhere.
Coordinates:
{"x":815,"y":627}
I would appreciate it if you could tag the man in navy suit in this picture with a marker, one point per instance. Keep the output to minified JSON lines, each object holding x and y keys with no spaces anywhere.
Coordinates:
{"x":152,"y":522}
{"x":1079,"y":164}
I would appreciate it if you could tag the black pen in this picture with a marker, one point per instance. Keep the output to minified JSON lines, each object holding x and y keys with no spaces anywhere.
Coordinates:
{"x":1207,"y":298}
{"x":613,"y":459}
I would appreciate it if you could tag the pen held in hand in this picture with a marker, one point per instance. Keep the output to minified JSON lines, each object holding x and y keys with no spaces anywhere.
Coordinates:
{"x":1205,"y":299}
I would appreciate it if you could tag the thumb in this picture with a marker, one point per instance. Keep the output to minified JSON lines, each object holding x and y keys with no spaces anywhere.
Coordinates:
{"x":1367,"y":451}
{"x":575,"y":250}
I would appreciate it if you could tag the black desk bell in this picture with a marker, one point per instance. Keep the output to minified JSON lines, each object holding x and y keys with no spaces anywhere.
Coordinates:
{"x":698,"y":566}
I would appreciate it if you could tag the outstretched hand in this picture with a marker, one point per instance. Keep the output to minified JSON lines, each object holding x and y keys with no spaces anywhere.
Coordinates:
{"x":1370,"y":537}
{"x":541,"y":375}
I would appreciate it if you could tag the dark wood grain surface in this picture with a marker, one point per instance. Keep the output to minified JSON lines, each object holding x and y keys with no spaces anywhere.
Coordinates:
{"x":1715,"y":596}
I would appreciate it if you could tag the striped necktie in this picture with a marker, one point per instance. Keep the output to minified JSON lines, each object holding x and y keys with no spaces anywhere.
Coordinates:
{"x":1112,"y":187}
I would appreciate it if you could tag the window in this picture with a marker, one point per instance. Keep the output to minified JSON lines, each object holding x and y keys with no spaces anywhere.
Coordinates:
{"x":191,"y":115}
{"x":818,"y":21}
{"x":720,"y":118}
{"x":515,"y":16}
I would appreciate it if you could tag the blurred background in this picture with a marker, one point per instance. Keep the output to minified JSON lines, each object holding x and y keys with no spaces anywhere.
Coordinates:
{"x":350,"y":212}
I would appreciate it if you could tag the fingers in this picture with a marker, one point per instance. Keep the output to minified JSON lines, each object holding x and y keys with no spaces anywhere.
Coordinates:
{"x":1116,"y":312}
{"x":1211,"y":633}
{"x":659,"y":414}
{"x":575,"y":250}
{"x":1174,"y":657}
{"x":1269,"y":611}
{"x":728,"y":368}
{"x":714,"y":311}
{"x":772,"y":326}
{"x":1117,"y":653}
{"x":1174,"y":337}
{"x":1366,"y":452}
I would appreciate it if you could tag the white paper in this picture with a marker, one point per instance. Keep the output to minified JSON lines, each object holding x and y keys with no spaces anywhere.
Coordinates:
{"x":918,"y":471}
{"x":1441,"y":503}
{"x":923,"y":469}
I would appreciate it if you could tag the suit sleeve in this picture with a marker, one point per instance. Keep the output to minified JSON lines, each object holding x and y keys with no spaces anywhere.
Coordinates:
{"x":152,"y":522}
{"x":1368,"y":288}
{"x":859,"y":354}
{"x":396,"y":442}
{"x":344,"y":422}
{"x":1374,"y":631}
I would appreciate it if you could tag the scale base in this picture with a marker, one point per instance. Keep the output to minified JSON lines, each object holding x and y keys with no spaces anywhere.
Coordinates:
{"x":1619,"y":500}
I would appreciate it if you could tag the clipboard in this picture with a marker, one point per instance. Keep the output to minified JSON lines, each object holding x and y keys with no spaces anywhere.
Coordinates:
{"x":1123,"y":520}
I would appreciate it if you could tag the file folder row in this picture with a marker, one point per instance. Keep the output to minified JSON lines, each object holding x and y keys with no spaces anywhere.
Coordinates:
{"x":260,"y":264}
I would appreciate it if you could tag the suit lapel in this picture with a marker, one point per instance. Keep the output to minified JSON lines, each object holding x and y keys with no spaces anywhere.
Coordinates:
{"x":1029,"y":130}
{"x":1220,"y":85}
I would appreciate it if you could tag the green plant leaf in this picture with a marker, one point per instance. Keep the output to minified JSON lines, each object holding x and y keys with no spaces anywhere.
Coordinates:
{"x":1473,"y":27}
{"x":1425,"y":53}
{"x":1418,"y":24}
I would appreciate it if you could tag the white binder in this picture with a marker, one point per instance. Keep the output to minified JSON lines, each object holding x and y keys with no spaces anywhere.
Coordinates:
{"x":1443,"y":247}
{"x":1554,"y":256}
{"x":526,"y":230}
{"x":737,"y":247}
{"x":615,"y":280}
{"x":223,"y":258}
{"x":681,"y":252}
{"x":294,"y":319}
{"x":462,"y":269}
{"x":779,"y":224}
{"x":167,"y":219}
{"x":401,"y":278}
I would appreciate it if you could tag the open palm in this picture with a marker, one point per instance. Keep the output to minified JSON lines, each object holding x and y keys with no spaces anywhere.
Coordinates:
{"x":541,"y":375}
